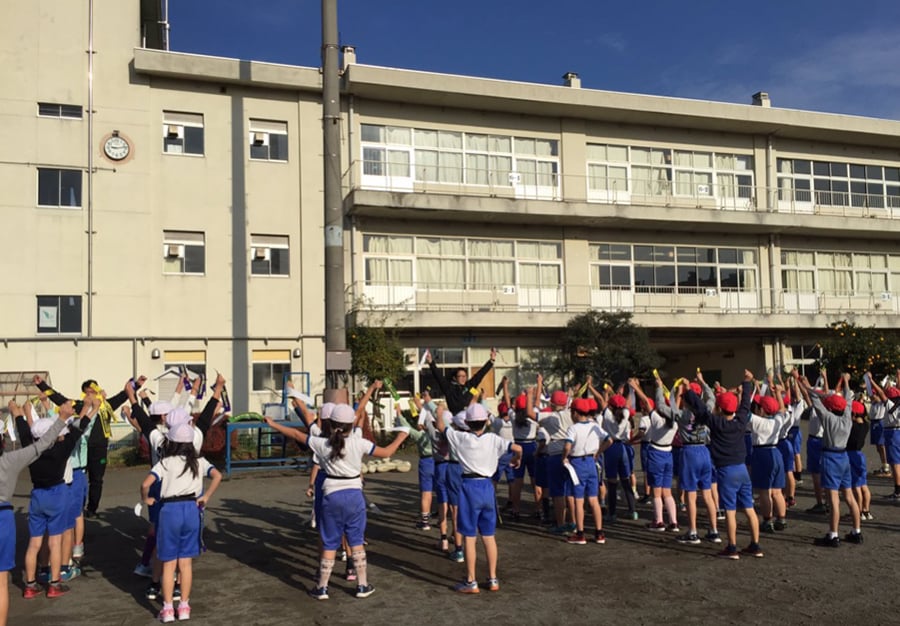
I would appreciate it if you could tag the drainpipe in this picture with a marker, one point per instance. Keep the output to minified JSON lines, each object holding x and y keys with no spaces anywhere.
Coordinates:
{"x":90,"y":173}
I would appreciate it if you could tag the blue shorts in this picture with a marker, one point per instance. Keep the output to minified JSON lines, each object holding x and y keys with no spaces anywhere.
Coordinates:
{"x":528,"y":461}
{"x":629,"y":450}
{"x":696,"y":468}
{"x":814,"y":455}
{"x":876,"y":432}
{"x":47,"y":511}
{"x":77,"y":496}
{"x":454,"y":482}
{"x":734,"y":487}
{"x":440,"y":481}
{"x":767,"y":468}
{"x":477,"y":508}
{"x":892,"y":445}
{"x":153,"y":510}
{"x":748,"y":447}
{"x":796,"y":438}
{"x":318,"y":494}
{"x":677,"y":460}
{"x":589,"y":482}
{"x":786,"y":449}
{"x":426,"y":474}
{"x":541,"y":471}
{"x":835,"y":470}
{"x":343,"y":513}
{"x":560,"y":483}
{"x":504,"y":470}
{"x":7,"y":540}
{"x":645,"y":445}
{"x":178,"y":533}
{"x":616,"y":461}
{"x":857,"y":460}
{"x":659,"y":468}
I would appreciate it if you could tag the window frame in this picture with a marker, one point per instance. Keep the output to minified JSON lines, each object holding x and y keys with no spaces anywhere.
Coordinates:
{"x":58,"y":327}
{"x":268,"y":243}
{"x":59,"y":188}
{"x":43,"y":111}
{"x":183,"y":239}
{"x":261,"y":132}
{"x":182,"y":120}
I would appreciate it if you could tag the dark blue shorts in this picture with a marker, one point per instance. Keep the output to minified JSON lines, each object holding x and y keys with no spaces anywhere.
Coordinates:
{"x":645,"y":445}
{"x":153,"y":510}
{"x":454,"y":483}
{"x":734,"y":487}
{"x":876,"y":433}
{"x":440,"y":482}
{"x":504,"y":471}
{"x":77,"y":497}
{"x":541,"y":471}
{"x":677,"y":460}
{"x":319,"y":494}
{"x":659,"y":468}
{"x":617,"y":462}
{"x":528,"y":461}
{"x":588,"y":480}
{"x":796,"y":438}
{"x":748,"y":448}
{"x":857,"y":460}
{"x":814,"y":455}
{"x":835,"y":470}
{"x":560,"y":482}
{"x":786,"y":449}
{"x":7,"y":540}
{"x":767,"y":468}
{"x":477,"y":508}
{"x":178,"y":533}
{"x":892,"y":445}
{"x":696,"y":468}
{"x":426,"y":474}
{"x":47,"y":511}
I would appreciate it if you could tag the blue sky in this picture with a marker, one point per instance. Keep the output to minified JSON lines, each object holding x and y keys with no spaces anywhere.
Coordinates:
{"x":823,"y":55}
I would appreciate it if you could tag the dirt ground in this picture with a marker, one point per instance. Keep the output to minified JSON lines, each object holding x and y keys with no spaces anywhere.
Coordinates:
{"x":261,"y":557}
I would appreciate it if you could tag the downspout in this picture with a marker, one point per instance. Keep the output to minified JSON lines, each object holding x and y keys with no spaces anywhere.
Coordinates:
{"x":90,"y":173}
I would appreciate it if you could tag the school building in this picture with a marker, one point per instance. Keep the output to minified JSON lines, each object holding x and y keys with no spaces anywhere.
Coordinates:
{"x":166,"y":209}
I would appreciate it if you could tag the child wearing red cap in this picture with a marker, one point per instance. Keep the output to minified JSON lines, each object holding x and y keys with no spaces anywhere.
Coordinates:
{"x":727,"y":448}
{"x":557,"y":423}
{"x":766,"y":462}
{"x":890,"y":400}
{"x":617,"y":463}
{"x":857,"y":456}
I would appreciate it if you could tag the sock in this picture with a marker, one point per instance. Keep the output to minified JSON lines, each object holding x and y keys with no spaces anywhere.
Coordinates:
{"x":443,"y":536}
{"x":359,"y":559}
{"x":426,"y":517}
{"x":657,"y":509}
{"x":149,"y":545}
{"x":78,"y":551}
{"x":31,"y":582}
{"x":629,"y":499}
{"x":612,"y":488}
{"x":55,"y":582}
{"x":325,"y":567}
{"x":167,"y":605}
{"x":832,"y":535}
{"x":670,"y":509}
{"x":857,"y":531}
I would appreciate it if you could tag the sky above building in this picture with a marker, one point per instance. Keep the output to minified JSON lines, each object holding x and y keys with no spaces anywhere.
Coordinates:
{"x":822,"y":55}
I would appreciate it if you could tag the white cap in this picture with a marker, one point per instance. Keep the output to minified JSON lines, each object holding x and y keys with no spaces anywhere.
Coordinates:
{"x":160,"y":407}
{"x":476,"y":413}
{"x":343,"y":414}
{"x":177,"y":416}
{"x":40,"y":426}
{"x":326,"y":410}
{"x":459,"y":420}
{"x":181,"y":433}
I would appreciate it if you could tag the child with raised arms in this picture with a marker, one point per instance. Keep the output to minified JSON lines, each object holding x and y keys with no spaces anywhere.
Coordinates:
{"x":585,"y":440}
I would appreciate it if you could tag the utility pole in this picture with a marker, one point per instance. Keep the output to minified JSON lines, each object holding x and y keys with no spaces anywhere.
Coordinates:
{"x":337,"y":359}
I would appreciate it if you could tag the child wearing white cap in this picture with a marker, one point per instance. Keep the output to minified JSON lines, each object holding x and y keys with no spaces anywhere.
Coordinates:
{"x":343,"y":504}
{"x":478,"y":453}
{"x":180,"y":474}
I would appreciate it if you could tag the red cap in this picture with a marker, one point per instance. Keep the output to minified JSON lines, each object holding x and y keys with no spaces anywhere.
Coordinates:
{"x":892,"y":392}
{"x":559,"y":398}
{"x":581,"y":405}
{"x":651,"y":405}
{"x":502,"y":409}
{"x":521,"y":402}
{"x":769,"y":405}
{"x":618,"y":401}
{"x":835,"y":403}
{"x":592,"y":404}
{"x":695,"y":387}
{"x":727,"y":401}
{"x":858,"y":408}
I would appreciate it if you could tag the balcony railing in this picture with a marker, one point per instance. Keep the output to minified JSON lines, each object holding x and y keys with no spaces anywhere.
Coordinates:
{"x":552,"y":186}
{"x":432,"y":298}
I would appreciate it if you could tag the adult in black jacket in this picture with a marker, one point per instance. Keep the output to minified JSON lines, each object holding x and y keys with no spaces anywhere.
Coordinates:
{"x":458,"y":391}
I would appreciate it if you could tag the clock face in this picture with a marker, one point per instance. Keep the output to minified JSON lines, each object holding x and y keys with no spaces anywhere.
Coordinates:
{"x":116,"y":148}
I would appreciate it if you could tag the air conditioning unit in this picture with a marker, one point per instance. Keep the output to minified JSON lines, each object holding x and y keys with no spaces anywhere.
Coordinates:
{"x":174,"y":131}
{"x":886,"y":296}
{"x":260,"y":139}
{"x":711,"y":292}
{"x":175,"y":251}
{"x":262,"y":254}
{"x":509,"y":290}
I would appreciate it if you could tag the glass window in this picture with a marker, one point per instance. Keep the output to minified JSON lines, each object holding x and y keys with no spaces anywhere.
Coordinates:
{"x":184,"y":252}
{"x":59,"y":187}
{"x":58,"y":314}
{"x":268,"y":140}
{"x":182,"y":133}
{"x":269,"y":255}
{"x":63,"y":111}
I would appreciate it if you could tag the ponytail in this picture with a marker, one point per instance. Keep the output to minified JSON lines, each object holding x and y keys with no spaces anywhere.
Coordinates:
{"x":339,"y":432}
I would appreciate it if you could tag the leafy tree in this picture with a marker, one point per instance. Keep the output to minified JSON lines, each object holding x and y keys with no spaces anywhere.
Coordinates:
{"x":377,"y":355}
{"x":855,"y":349}
{"x":607,"y":345}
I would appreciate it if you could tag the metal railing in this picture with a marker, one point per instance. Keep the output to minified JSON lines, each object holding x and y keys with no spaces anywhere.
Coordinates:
{"x":441,"y":179}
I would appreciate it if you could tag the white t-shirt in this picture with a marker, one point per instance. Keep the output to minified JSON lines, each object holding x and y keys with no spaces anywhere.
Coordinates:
{"x":342,"y":473}
{"x":585,"y":438}
{"x":157,"y":443}
{"x":477,"y":454}
{"x":557,"y":425}
{"x":176,"y":477}
{"x":617,"y":430}
{"x":527,"y":431}
{"x":502,"y":428}
{"x":765,"y":430}
{"x":660,"y":433}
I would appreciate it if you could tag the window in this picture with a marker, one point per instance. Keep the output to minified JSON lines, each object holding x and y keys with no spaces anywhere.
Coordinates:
{"x":270,"y":368}
{"x":59,"y":314}
{"x":838,"y":273}
{"x":269,"y":255}
{"x":64,"y":111}
{"x":268,"y":140}
{"x":183,"y":252}
{"x":59,"y":188}
{"x":835,"y":184}
{"x":182,"y":133}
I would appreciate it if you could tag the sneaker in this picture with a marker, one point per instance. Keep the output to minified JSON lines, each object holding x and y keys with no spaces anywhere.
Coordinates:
{"x":673,"y":528}
{"x":176,"y":592}
{"x":780,"y":524}
{"x":570,"y":527}
{"x":767,"y":527}
{"x":558,"y":530}
{"x":682,"y":507}
{"x":894,"y":497}
{"x":690,"y":538}
{"x":633,"y":516}
{"x":730,"y":552}
{"x":184,"y":612}
{"x":144,"y":571}
{"x":55,"y":590}
{"x":577,"y":538}
{"x":818,"y":508}
{"x":167,"y":615}
{"x":423,"y":525}
{"x":319,"y":593}
{"x":364,"y":591}
{"x":868,"y":515}
{"x":351,"y":574}
{"x":720,"y":515}
{"x":152,"y":591}
{"x":853,"y":538}
{"x":493,"y":584}
{"x":443,"y":545}
{"x":644,"y":500}
{"x":32,"y":590}
{"x":467,"y":587}
{"x":73,"y":571}
{"x":599,"y":537}
{"x":713,"y":537}
{"x":458,"y":556}
{"x":657,"y":527}
{"x":828,"y":542}
{"x":753,"y":550}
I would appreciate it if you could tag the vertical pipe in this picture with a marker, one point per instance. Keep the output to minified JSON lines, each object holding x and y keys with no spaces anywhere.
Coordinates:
{"x":335,"y":331}
{"x":90,"y":174}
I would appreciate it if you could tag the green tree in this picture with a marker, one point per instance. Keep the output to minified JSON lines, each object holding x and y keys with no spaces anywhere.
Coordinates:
{"x":377,"y":355}
{"x":856,"y":349}
{"x":607,"y":345}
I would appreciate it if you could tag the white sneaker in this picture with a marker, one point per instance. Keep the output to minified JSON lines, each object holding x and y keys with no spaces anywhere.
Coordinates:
{"x":144,"y":571}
